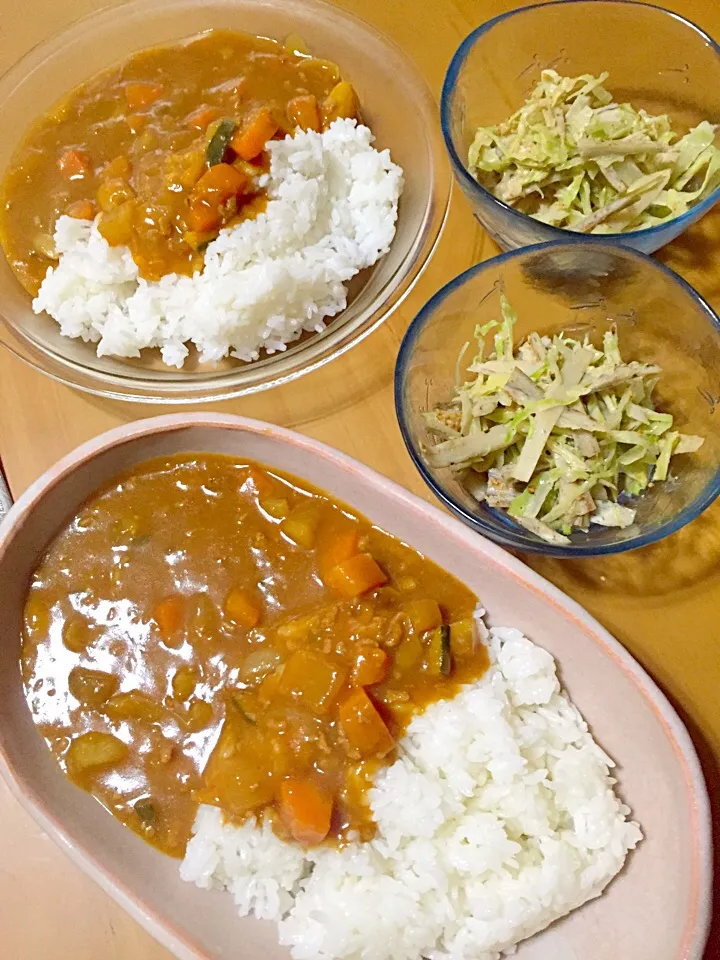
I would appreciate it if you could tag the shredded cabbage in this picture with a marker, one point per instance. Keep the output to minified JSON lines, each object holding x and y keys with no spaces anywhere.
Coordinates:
{"x":558,"y":432}
{"x":573,"y":158}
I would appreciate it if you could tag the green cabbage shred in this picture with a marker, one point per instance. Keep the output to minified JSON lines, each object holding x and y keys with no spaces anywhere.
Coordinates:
{"x":574,"y":158}
{"x":558,"y":432}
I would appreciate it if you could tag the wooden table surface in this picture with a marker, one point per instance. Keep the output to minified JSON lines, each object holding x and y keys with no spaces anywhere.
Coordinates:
{"x":661,"y":602}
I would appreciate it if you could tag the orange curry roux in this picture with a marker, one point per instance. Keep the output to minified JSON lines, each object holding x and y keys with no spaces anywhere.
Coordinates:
{"x":167,"y":148}
{"x":208,"y":631}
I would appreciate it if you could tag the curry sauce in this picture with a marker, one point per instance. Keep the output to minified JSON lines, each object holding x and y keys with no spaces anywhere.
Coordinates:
{"x":167,"y":148}
{"x":206,"y":630}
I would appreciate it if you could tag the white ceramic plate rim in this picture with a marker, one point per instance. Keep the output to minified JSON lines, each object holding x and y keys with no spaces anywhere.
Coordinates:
{"x":698,"y":921}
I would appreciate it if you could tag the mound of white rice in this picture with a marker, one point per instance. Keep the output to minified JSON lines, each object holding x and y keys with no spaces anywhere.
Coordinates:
{"x":498,"y":818}
{"x":331,"y":213}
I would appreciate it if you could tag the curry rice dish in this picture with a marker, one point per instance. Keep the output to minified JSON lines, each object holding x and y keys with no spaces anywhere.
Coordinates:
{"x":268,"y":688}
{"x":220,"y":192}
{"x":164,"y":150}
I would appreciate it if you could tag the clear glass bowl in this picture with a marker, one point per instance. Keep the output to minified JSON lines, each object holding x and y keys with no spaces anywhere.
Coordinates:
{"x":396,"y":102}
{"x":579,"y":288}
{"x":656,"y":59}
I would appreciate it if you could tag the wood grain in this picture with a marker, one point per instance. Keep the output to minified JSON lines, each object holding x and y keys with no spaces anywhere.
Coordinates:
{"x":661,"y":602}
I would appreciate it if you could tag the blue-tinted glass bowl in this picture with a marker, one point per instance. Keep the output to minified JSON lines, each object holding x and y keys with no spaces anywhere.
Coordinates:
{"x":580,"y":288}
{"x":655,"y":58}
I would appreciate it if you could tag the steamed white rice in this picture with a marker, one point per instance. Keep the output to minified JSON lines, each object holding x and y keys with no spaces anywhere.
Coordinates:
{"x":498,"y":818}
{"x":331,"y":213}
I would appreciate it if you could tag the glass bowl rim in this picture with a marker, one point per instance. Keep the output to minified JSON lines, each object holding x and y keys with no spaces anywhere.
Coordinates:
{"x":299,"y":359}
{"x":469,"y":182}
{"x":521,"y":541}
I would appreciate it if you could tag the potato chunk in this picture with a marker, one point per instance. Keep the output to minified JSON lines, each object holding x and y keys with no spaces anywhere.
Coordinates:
{"x":93,"y":751}
{"x":313,"y":680}
{"x":91,"y":687}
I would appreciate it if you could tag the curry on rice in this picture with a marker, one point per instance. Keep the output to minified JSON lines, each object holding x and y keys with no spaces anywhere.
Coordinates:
{"x":206,"y":630}
{"x":167,"y":148}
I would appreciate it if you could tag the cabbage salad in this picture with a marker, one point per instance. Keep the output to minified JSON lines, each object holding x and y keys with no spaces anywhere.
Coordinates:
{"x":559,"y":433}
{"x":574,"y":158}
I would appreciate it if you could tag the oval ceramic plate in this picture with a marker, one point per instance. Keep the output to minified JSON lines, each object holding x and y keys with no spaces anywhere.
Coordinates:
{"x":658,"y":908}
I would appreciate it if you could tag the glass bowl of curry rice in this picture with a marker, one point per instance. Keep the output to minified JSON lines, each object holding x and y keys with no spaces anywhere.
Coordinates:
{"x":227,"y":195}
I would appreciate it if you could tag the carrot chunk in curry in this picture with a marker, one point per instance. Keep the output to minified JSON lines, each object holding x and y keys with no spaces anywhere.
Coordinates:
{"x":306,"y":809}
{"x":206,"y":630}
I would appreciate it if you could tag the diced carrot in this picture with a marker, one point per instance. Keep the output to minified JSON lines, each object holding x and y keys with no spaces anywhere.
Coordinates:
{"x":81,"y":210}
{"x":169,"y":614}
{"x":262,"y":483}
{"x":313,"y":680}
{"x":354,"y":576}
{"x":370,"y":667}
{"x":306,"y":809}
{"x":424,"y":615}
{"x":242,"y":608}
{"x":203,"y":217}
{"x":304,"y":112}
{"x":342,"y":546}
{"x":142,"y":94}
{"x":201,"y":118}
{"x":221,"y":182}
{"x":74,"y":164}
{"x":250,"y":140}
{"x":363,"y":726}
